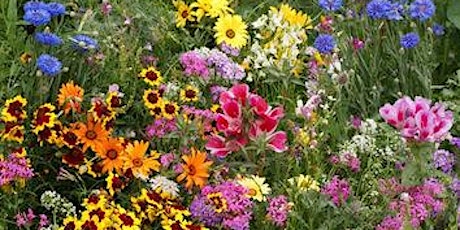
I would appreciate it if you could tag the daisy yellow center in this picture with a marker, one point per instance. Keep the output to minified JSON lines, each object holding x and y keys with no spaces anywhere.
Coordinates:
{"x":112,"y":154}
{"x":252,"y":192}
{"x":90,"y":134}
{"x":137,"y":162}
{"x":230,"y":33}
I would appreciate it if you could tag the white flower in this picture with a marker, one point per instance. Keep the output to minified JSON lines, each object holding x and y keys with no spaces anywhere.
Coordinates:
{"x":165,"y":185}
{"x":260,"y":22}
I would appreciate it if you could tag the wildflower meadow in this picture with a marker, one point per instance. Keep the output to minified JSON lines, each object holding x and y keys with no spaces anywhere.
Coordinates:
{"x":229,"y":114}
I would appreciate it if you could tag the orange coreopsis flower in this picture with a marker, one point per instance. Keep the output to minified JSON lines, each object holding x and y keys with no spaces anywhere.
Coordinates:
{"x":111,"y":152}
{"x":136,"y":160}
{"x":195,"y":169}
{"x":70,"y":96}
{"x":92,"y":134}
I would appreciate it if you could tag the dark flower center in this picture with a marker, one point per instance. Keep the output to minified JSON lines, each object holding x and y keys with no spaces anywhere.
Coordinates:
{"x":230,"y":33}
{"x":170,"y":109}
{"x":184,"y":14}
{"x":190,"y":94}
{"x":151,"y":75}
{"x":90,"y":134}
{"x":112,"y":154}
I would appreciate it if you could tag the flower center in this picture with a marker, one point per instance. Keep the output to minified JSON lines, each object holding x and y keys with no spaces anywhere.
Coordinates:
{"x":137,"y":162}
{"x":152,"y":98}
{"x":170,"y":109}
{"x":230,"y":33}
{"x":112,"y":154}
{"x":184,"y":14}
{"x":151,"y":75}
{"x":191,"y":170}
{"x":252,"y":192}
{"x":190,"y":94}
{"x":90,"y":134}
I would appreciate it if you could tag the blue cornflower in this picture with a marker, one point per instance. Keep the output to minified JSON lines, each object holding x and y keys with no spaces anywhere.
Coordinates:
{"x":324,"y":43}
{"x":55,"y":9}
{"x":37,"y":17}
{"x":49,"y":65}
{"x":84,"y":43}
{"x":378,"y":9}
{"x":409,"y":40}
{"x":422,"y":9}
{"x":330,"y":5}
{"x":395,"y":11}
{"x":438,"y":29}
{"x":33,"y":5}
{"x":47,"y":38}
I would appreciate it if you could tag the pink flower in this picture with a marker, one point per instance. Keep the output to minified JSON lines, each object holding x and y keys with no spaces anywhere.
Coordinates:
{"x":21,"y":220}
{"x":357,"y":44}
{"x":417,"y":119}
{"x":43,"y":221}
{"x":167,"y":159}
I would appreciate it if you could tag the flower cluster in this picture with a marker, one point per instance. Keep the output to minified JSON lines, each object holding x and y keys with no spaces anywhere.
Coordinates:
{"x":278,"y":210}
{"x":417,"y":119}
{"x":54,"y":202}
{"x":24,"y":219}
{"x":338,"y":190}
{"x":415,"y":204}
{"x":204,"y":62}
{"x":224,"y":205}
{"x":15,"y":168}
{"x":395,"y":10}
{"x":236,"y":104}
{"x":12,"y":117}
{"x":279,"y":39}
{"x":39,"y":13}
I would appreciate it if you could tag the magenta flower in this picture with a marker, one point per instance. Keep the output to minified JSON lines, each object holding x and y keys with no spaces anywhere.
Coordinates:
{"x":194,"y":64}
{"x":278,"y":210}
{"x":418,"y":120}
{"x":337,"y":190}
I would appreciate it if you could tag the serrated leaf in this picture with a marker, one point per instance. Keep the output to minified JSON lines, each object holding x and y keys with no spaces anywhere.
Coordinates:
{"x":453,"y":12}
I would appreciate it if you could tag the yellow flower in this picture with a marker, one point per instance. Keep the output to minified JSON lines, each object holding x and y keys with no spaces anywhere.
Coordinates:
{"x":293,"y":17}
{"x":189,"y":94}
{"x":151,"y":98}
{"x":218,"y":201}
{"x":231,"y":29}
{"x":151,"y":76}
{"x":256,"y":186}
{"x":170,"y":110}
{"x":44,"y":117}
{"x":14,"y":109}
{"x":25,"y":58}
{"x":304,"y":183}
{"x":136,"y":160}
{"x":183,"y":13}
{"x":70,"y":222}
{"x":211,"y":8}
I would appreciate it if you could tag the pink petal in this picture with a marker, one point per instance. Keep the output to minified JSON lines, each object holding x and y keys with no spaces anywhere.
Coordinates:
{"x":277,"y":141}
{"x":241,"y":92}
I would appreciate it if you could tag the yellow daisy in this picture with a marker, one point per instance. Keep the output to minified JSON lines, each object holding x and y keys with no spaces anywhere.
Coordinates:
{"x":256,"y":186}
{"x":304,"y":183}
{"x":211,"y":8}
{"x":14,"y":109}
{"x":136,"y":160}
{"x":189,"y":94}
{"x":152,"y":76}
{"x":151,"y":98}
{"x":183,"y":14}
{"x":170,"y":110}
{"x":231,"y":29}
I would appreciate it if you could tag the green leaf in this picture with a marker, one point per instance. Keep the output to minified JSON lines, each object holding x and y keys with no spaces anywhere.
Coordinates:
{"x":453,"y":12}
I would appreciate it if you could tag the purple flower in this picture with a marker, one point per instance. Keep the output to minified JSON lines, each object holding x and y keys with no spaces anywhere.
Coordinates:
{"x":330,"y":5}
{"x":224,"y":66}
{"x":390,"y":223}
{"x":422,"y":9}
{"x":37,"y":17}
{"x":444,"y":160}
{"x":395,"y":11}
{"x":438,"y":29}
{"x":49,"y":65}
{"x":226,"y":204}
{"x":378,"y":9}
{"x":229,"y":50}
{"x":55,"y":9}
{"x":194,"y":64}
{"x":337,"y":190}
{"x":47,"y":38}
{"x":278,"y":210}
{"x":13,"y":168}
{"x":455,"y":141}
{"x":455,"y":187}
{"x":166,"y":159}
{"x":161,"y":127}
{"x":324,"y":43}
{"x":357,"y":44}
{"x":409,"y":40}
